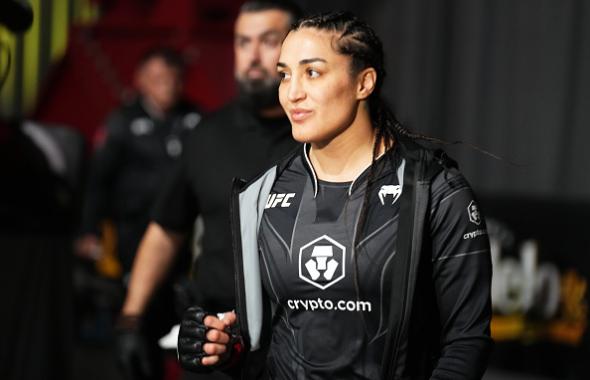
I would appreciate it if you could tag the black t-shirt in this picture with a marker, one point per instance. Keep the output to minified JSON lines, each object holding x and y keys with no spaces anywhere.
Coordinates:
{"x":330,"y":299}
{"x":231,"y":143}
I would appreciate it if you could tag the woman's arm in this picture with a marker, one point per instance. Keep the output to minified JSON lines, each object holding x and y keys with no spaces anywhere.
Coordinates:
{"x":462,"y":271}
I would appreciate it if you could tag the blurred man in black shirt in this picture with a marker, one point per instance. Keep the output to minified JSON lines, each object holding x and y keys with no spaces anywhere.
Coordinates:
{"x":240,"y":140}
{"x":138,"y":145}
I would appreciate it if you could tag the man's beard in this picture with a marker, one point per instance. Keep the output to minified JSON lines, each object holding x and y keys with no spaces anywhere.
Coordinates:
{"x":259,"y":94}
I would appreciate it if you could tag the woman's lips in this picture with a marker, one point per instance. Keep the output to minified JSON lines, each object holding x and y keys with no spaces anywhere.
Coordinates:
{"x":299,"y":114}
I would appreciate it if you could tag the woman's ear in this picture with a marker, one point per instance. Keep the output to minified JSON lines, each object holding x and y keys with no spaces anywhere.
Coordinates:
{"x":367,"y":79}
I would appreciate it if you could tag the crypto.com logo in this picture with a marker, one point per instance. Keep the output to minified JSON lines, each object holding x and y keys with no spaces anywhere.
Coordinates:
{"x":473,"y":212}
{"x":322,"y":262}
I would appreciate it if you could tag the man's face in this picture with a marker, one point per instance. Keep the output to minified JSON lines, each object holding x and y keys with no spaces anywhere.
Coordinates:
{"x":257,"y":45}
{"x":159,"y":83}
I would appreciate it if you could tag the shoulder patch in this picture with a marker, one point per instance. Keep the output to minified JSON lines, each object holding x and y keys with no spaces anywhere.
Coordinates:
{"x":473,"y":212}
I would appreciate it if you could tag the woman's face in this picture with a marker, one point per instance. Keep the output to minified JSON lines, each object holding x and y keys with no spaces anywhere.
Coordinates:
{"x":317,"y":90}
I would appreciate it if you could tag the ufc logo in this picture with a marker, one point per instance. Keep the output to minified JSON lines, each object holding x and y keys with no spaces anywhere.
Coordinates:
{"x":279,"y":199}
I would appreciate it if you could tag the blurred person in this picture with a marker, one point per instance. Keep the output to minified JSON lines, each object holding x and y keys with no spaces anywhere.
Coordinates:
{"x":362,"y":255}
{"x":38,"y":198}
{"x":138,"y":146}
{"x":239,"y":140}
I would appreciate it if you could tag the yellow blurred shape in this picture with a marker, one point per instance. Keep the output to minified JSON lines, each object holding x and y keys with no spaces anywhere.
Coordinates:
{"x":108,"y":265}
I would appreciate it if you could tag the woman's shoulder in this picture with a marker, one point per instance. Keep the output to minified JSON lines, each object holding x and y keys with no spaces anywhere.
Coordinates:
{"x":439,"y":169}
{"x":434,"y":159}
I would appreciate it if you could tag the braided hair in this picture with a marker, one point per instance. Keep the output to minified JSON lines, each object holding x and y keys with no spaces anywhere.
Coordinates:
{"x":356,"y":39}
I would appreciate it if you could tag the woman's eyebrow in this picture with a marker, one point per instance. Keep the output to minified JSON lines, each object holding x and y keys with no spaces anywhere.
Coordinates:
{"x":304,"y":62}
{"x":311,"y":60}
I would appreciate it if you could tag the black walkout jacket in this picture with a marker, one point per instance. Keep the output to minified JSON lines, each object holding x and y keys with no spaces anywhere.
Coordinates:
{"x":422,"y":342}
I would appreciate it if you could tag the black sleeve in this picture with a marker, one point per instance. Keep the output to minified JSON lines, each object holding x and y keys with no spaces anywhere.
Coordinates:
{"x":462,"y":271}
{"x":103,"y":172}
{"x":177,"y":207}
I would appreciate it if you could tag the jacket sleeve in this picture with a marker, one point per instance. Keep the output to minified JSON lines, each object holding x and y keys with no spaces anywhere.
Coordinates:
{"x":461,"y":273}
{"x":105,"y":162}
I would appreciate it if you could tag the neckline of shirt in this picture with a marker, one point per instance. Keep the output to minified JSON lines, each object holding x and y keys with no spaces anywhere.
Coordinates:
{"x":351,"y":184}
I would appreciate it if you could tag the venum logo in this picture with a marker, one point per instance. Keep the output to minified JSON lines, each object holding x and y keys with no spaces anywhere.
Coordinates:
{"x":473,"y":212}
{"x":387,"y":190}
{"x":322,"y":262}
{"x":282,"y":200}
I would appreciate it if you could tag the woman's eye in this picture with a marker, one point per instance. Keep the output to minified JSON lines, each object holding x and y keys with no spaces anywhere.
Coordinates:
{"x":312,"y":73}
{"x":283,"y":75}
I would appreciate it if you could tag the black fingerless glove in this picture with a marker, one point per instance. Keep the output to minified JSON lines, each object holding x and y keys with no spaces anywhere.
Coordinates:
{"x":193,"y":336}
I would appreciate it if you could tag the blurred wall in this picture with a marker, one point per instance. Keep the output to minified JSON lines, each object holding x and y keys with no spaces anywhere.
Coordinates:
{"x":32,"y":55}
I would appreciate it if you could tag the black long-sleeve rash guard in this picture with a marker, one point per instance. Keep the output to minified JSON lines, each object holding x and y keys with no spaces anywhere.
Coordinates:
{"x":331,"y":300}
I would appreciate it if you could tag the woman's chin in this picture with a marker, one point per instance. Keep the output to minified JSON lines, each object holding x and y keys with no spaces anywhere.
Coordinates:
{"x":301,"y":134}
